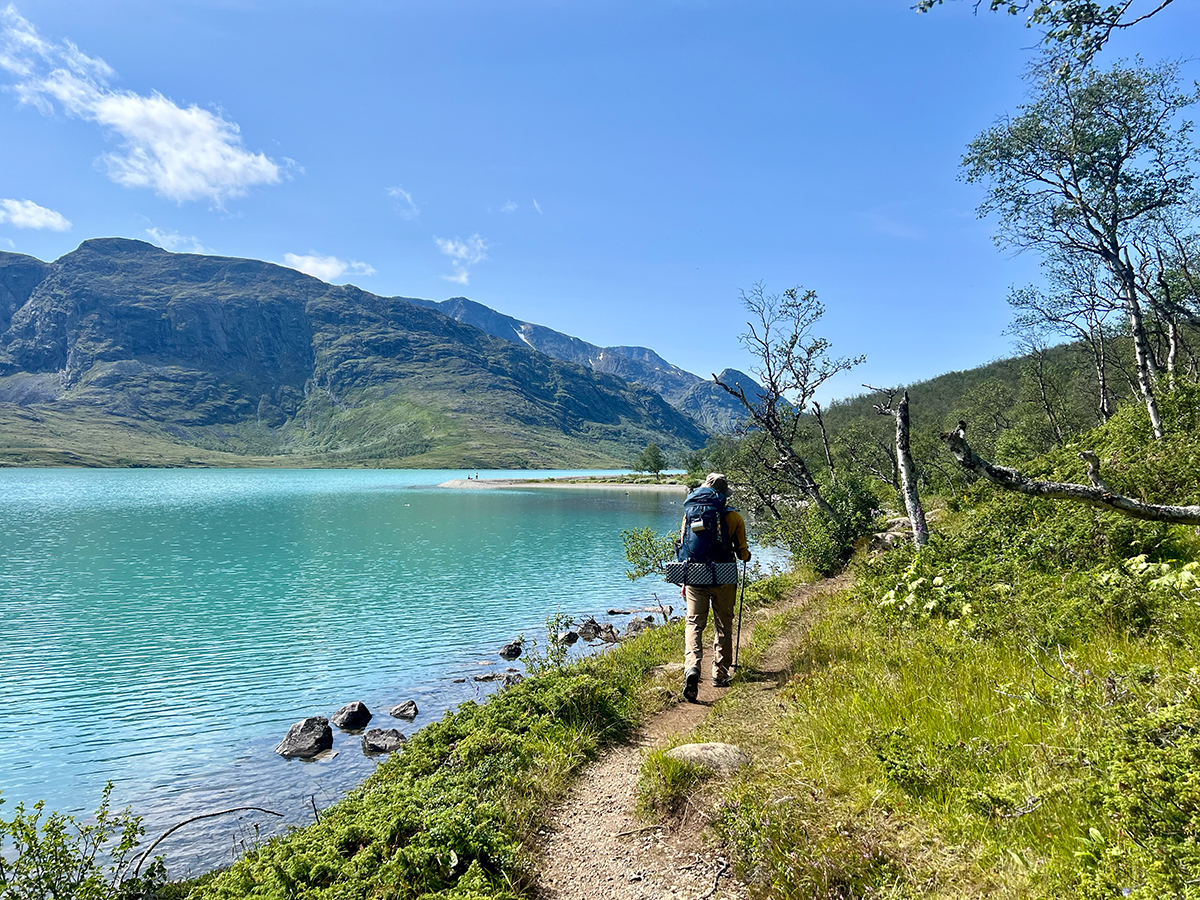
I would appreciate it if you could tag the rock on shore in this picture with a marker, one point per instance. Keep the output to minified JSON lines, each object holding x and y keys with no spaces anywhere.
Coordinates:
{"x":306,"y":739}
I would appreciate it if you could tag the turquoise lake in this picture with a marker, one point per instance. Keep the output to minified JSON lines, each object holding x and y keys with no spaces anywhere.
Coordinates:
{"x":162,"y":629}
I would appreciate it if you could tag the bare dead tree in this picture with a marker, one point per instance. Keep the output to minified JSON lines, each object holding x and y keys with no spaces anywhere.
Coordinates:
{"x":824,"y":439}
{"x":1098,"y":494}
{"x":1034,"y":348}
{"x":791,"y":365}
{"x":908,"y":469}
{"x":1079,"y":305}
{"x":857,"y":439}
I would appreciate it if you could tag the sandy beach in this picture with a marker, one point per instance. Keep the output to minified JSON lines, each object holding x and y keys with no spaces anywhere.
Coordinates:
{"x":523,"y":483}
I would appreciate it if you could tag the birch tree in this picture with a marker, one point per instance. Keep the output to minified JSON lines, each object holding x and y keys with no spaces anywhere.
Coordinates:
{"x":791,"y":364}
{"x":1088,"y":170}
{"x":1082,"y":27}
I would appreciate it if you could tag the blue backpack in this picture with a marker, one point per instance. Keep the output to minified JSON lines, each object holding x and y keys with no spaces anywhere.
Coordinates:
{"x":705,"y":536}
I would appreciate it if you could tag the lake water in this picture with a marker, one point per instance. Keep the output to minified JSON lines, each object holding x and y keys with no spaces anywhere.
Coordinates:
{"x":162,"y":629}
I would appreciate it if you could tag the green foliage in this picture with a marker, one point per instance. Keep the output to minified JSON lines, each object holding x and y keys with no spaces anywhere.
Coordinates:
{"x":816,"y":541}
{"x":696,"y":464}
{"x":1012,"y":711}
{"x":651,"y":460}
{"x":453,"y":813}
{"x":51,"y":856}
{"x":666,"y":785}
{"x":1148,"y":795}
{"x":554,"y":656}
{"x":646,"y":551}
{"x":1081,"y":26}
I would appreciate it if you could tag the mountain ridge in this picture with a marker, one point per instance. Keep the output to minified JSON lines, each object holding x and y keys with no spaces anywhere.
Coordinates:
{"x":245,"y":356}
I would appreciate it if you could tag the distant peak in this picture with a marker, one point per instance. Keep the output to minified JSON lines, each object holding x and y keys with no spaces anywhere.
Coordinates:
{"x":111,"y":245}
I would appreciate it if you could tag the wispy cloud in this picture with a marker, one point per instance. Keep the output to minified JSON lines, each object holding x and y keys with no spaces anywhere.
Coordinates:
{"x":404,"y":205}
{"x":463,"y":255}
{"x":877,"y":221}
{"x":180,"y":153}
{"x":327,"y":268}
{"x":7,"y":242}
{"x":27,"y":214}
{"x":537,"y":206}
{"x":176,"y":242}
{"x":508,"y":207}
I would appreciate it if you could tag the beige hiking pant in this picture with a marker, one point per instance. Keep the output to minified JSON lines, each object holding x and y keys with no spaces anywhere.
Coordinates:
{"x":722,"y":598}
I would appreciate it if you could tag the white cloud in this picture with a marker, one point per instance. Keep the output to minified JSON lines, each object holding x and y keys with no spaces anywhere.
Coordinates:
{"x":405,"y":207}
{"x":463,"y":255}
{"x":27,"y":214}
{"x":508,"y":207}
{"x":180,"y":153}
{"x":327,"y":268}
{"x":176,"y":242}
{"x":537,"y":206}
{"x":8,"y":243}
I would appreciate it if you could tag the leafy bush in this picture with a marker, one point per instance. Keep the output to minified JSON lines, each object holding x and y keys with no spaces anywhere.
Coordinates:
{"x":816,"y":541}
{"x":51,"y":856}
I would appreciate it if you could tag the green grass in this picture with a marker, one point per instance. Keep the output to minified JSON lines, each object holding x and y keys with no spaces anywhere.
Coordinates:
{"x":455,"y":813}
{"x":1014,"y":711}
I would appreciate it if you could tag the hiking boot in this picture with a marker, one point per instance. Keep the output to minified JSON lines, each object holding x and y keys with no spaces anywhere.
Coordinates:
{"x":722,"y":681}
{"x":691,"y":685}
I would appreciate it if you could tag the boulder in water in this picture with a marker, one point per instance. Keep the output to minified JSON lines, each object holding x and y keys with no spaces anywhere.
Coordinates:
{"x":352,"y":716}
{"x":306,"y":739}
{"x":511,"y":651}
{"x":379,"y":740}
{"x":589,"y":628}
{"x":406,"y":710}
{"x":567,"y":637}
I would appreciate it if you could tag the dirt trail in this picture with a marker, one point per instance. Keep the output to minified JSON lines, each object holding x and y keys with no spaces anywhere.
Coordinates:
{"x":594,"y":847}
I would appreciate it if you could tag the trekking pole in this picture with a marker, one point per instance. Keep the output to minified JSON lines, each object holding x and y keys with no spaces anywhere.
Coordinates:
{"x":737,"y":646}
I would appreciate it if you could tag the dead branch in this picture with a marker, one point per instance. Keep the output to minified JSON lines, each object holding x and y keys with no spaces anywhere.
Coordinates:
{"x":904,"y":460}
{"x":1098,"y":494}
{"x":712,"y":890}
{"x":162,"y":837}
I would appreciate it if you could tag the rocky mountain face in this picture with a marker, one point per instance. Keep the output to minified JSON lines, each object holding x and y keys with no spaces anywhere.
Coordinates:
{"x":638,"y":364}
{"x":713,"y":407}
{"x":705,"y":401}
{"x":245,"y":356}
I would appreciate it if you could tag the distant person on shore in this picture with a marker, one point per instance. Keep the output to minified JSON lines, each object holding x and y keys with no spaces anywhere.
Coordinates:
{"x":730,"y":541}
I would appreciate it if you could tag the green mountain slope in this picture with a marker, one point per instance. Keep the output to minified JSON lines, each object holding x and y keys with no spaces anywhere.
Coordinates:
{"x":236,"y":356}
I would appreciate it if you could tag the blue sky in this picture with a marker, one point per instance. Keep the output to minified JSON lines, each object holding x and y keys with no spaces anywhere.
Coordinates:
{"x":615,"y":170}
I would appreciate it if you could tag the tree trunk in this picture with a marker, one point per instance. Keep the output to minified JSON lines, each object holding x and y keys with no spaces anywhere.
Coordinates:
{"x":908,"y":476}
{"x":825,"y":440}
{"x":1146,"y":369}
{"x":1099,"y":354}
{"x":1047,"y":408}
{"x":1173,"y":351}
{"x":1098,"y":495}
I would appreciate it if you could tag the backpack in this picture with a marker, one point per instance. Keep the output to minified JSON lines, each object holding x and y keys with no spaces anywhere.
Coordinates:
{"x":705,"y":536}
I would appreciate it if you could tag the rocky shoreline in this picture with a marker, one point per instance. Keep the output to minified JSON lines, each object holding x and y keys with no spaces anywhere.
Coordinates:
{"x":523,"y":483}
{"x":312,"y":736}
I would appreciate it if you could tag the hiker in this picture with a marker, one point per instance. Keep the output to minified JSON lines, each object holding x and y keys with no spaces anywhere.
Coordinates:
{"x":707,"y":506}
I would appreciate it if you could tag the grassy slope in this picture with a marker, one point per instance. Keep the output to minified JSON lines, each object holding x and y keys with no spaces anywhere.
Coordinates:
{"x":37,"y":436}
{"x":1015,"y":712}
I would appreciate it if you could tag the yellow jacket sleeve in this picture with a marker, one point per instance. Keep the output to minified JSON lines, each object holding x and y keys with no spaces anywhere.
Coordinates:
{"x":737,"y":534}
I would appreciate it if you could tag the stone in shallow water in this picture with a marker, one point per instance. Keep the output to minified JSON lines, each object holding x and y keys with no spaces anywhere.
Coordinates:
{"x":379,"y":740}
{"x":352,"y":716}
{"x":511,"y":651}
{"x":306,"y":739}
{"x":721,"y":758}
{"x":406,"y":710}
